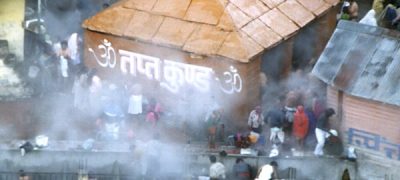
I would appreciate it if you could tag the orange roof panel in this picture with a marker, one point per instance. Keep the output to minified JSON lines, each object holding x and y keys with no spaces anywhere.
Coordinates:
{"x":239,"y":47}
{"x":333,"y":2}
{"x":223,"y":2}
{"x":206,"y":40}
{"x":172,"y":8}
{"x":312,"y":5}
{"x":296,"y":12}
{"x":143,"y":25}
{"x":226,"y":22}
{"x":272,"y":3}
{"x":201,"y":11}
{"x":145,"y":5}
{"x":261,"y":33}
{"x":111,"y":25}
{"x":321,"y":10}
{"x":279,"y":23}
{"x":238,"y":16}
{"x":253,"y":8}
{"x":174,"y":32}
{"x":236,"y":29}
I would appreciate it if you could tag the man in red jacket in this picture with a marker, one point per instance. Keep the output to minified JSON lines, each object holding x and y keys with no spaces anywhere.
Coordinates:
{"x":300,"y":126}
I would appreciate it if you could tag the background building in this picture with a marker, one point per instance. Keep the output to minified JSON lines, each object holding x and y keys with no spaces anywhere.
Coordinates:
{"x":360,"y":64}
{"x":158,"y":43}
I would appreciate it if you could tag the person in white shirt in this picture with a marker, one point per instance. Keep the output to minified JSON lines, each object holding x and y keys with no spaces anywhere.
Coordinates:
{"x":217,"y":169}
{"x":256,"y":120}
{"x":64,"y":56}
{"x":268,"y":171}
{"x":73,"y":45}
{"x":136,"y":102}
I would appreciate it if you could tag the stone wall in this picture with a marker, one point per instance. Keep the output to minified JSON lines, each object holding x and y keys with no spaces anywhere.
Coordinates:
{"x":194,"y":165}
{"x":308,"y":168}
{"x":374,"y":166}
{"x":11,"y":17}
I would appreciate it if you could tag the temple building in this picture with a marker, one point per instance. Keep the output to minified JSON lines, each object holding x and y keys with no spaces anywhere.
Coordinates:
{"x":190,"y":53}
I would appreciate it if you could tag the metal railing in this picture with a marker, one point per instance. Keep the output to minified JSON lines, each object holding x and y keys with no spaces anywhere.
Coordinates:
{"x":62,"y":176}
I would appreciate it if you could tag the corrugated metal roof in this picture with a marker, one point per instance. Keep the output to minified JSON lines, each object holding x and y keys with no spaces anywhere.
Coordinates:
{"x":246,"y":27}
{"x":362,"y":61}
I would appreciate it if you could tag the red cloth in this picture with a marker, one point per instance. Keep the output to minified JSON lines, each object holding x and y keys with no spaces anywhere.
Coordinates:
{"x":151,"y":117}
{"x":158,"y":108}
{"x":153,"y":113}
{"x":300,"y":123}
{"x":155,"y":108}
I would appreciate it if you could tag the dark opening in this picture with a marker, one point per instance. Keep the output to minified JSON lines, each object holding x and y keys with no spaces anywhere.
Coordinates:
{"x":346,"y":175}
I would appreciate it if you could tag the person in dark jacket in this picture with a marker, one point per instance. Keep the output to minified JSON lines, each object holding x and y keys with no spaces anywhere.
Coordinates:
{"x":26,"y":147}
{"x":23,"y":175}
{"x":275,"y":118}
{"x":312,"y":124}
{"x":321,"y":132}
{"x":241,"y":170}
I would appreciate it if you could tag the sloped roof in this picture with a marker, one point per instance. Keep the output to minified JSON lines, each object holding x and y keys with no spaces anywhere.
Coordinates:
{"x":362,"y":61}
{"x":236,"y":29}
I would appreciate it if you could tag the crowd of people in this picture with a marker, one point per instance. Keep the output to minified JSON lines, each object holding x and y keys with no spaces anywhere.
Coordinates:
{"x":242,"y":170}
{"x":293,"y":117}
{"x":297,"y":117}
{"x":59,"y":70}
{"x":384,"y":13}
{"x":106,"y":102}
{"x":52,"y":69}
{"x":295,"y":125}
{"x":349,"y":10}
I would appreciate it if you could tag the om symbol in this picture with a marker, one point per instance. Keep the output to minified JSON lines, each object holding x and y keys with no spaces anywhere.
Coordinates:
{"x":232,"y":82}
{"x":109,"y":57}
